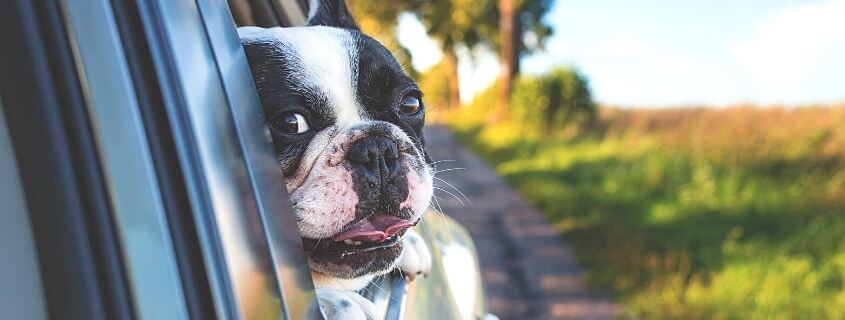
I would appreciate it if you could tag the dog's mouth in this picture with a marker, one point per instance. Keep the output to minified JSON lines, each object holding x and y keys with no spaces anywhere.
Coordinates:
{"x":379,"y":231}
{"x":377,"y":228}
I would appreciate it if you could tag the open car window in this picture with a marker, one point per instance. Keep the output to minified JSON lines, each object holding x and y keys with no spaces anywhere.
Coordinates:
{"x":388,"y":292}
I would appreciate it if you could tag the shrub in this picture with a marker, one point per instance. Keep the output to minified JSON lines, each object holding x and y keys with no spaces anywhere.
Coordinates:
{"x":695,"y":213}
{"x":539,"y":103}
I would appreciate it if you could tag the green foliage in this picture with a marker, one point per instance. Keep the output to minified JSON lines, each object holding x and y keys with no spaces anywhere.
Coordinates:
{"x":435,"y":85}
{"x":552,"y":100}
{"x":378,"y":19}
{"x":456,"y":22}
{"x":695,"y":214}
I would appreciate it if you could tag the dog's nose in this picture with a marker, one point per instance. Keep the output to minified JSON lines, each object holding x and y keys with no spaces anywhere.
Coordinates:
{"x":376,"y":158}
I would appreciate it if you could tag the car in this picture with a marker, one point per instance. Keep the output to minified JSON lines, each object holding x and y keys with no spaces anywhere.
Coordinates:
{"x":139,"y":179}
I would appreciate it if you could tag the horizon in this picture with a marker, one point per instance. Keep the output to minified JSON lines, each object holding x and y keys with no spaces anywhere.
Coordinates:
{"x":763,"y":53}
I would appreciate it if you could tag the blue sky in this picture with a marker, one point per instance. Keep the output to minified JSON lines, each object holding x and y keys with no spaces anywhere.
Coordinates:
{"x":652,"y":53}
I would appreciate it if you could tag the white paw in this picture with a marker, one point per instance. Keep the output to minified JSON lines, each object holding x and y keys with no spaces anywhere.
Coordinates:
{"x":415,"y":258}
{"x":344,"y":305}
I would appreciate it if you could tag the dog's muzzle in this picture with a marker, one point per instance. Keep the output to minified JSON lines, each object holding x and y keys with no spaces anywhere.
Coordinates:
{"x":375,"y":159}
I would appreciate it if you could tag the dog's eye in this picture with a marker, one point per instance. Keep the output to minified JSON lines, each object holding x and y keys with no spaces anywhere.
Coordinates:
{"x":410,"y":106}
{"x":293,"y":123}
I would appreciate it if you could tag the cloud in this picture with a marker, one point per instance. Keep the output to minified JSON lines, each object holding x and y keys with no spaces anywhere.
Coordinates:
{"x":629,"y":70}
{"x":787,"y":45}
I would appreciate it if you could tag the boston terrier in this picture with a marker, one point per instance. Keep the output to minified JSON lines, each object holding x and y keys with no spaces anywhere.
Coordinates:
{"x":347,"y":126}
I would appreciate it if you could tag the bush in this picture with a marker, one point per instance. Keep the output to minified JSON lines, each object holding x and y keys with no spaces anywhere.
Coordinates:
{"x":539,"y":103}
{"x":553,"y":100}
{"x":435,"y":84}
{"x":695,"y":213}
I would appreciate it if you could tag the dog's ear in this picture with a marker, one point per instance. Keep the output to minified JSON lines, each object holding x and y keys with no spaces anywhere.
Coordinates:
{"x":330,"y":13}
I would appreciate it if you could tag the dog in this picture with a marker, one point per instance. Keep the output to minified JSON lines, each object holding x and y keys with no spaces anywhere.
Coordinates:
{"x":346,"y":122}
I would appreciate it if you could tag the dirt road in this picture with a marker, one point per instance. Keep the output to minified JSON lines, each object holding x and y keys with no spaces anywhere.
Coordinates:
{"x":529,"y":270}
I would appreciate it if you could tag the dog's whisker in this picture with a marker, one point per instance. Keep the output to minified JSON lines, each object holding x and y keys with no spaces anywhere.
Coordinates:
{"x":439,"y":208}
{"x":435,"y":107}
{"x":437,"y":202}
{"x":440,"y":188}
{"x":434,"y":163}
{"x":423,"y":220}
{"x":444,"y":160}
{"x":435,"y":206}
{"x":444,"y":170}
{"x":379,"y":287}
{"x":451,"y":194}
{"x":442,"y":215}
{"x":456,"y":189}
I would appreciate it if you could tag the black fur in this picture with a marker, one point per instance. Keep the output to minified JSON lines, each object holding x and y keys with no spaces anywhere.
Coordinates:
{"x":333,"y":13}
{"x":381,"y":86}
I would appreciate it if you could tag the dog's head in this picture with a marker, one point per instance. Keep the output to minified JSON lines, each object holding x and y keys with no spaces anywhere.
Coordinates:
{"x":347,"y":124}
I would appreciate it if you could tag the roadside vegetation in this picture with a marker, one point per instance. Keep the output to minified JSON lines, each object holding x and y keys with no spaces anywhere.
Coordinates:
{"x":693,"y":213}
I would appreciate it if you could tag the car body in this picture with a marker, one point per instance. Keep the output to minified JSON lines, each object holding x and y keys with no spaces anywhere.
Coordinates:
{"x":140,"y":181}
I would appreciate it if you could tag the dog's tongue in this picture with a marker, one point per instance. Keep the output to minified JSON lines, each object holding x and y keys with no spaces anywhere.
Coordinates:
{"x":376,"y":228}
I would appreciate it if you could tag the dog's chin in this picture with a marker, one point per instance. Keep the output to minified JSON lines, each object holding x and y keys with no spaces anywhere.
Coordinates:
{"x":351,"y":260}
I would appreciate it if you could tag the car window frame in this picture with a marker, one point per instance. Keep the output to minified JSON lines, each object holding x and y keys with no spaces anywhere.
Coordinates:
{"x":198,"y":29}
{"x":79,"y":258}
{"x":144,"y":84}
{"x":387,"y":292}
{"x":84,"y":82}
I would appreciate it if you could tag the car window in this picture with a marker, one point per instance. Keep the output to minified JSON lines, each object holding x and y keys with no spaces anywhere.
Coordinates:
{"x":386,"y":292}
{"x":250,"y":231}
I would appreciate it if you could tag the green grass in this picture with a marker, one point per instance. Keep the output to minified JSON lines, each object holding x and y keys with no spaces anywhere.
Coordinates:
{"x":695,"y":223}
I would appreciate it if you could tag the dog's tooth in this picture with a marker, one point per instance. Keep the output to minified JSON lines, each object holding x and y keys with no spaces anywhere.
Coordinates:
{"x":357,"y":243}
{"x":347,"y":241}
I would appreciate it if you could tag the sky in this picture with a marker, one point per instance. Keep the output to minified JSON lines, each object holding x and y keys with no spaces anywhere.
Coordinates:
{"x":653,"y":53}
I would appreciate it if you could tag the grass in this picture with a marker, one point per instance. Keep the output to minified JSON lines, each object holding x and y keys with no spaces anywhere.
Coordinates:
{"x":693,"y":213}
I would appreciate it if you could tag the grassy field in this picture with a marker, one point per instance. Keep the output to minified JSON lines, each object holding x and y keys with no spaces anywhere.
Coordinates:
{"x":693,"y":213}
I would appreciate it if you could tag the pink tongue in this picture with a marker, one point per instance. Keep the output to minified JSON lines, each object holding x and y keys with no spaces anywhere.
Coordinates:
{"x":376,"y":228}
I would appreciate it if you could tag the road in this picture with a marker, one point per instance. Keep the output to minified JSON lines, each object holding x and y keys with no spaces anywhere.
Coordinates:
{"x":529,"y":270}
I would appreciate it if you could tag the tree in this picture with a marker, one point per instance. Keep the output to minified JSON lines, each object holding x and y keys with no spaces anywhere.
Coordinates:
{"x":469,"y":23}
{"x":506,"y":56}
{"x":570,"y":99}
{"x":379,"y":19}
{"x":450,"y":22}
{"x":517,"y":18}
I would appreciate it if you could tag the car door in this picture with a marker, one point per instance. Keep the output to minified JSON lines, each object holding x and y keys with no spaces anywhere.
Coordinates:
{"x":142,"y":180}
{"x":149,"y":183}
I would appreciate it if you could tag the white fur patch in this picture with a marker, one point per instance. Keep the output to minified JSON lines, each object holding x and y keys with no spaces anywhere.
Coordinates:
{"x":324,"y":60}
{"x":328,"y":205}
{"x":327,"y":59}
{"x":415,"y":258}
{"x":322,"y":191}
{"x":344,"y":305}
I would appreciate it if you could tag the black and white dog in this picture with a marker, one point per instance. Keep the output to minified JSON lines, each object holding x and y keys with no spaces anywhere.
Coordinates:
{"x":347,"y":123}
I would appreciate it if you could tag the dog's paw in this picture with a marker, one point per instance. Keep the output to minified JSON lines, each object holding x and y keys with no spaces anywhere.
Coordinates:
{"x":416,"y":258}
{"x":344,"y":305}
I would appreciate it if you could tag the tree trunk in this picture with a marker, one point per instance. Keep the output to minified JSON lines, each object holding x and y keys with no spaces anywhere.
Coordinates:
{"x":507,"y":58}
{"x":516,"y":47}
{"x":451,"y":60}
